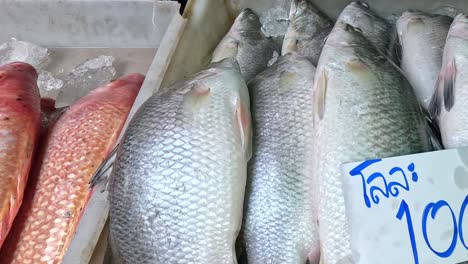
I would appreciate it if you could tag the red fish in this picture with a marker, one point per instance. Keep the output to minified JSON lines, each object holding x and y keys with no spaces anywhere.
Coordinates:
{"x":19,"y":127}
{"x":76,"y":144}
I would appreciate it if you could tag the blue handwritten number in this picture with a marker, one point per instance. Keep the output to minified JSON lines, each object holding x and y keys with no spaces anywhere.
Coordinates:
{"x":460,"y":221}
{"x":404,"y":210}
{"x":433,"y":208}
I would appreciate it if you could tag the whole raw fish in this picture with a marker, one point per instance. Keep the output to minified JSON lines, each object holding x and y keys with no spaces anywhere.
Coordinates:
{"x":450,"y":101}
{"x":422,"y":38}
{"x":19,"y":128}
{"x":177,"y":189}
{"x":246,"y":42}
{"x":365,"y":109}
{"x":307,"y":31}
{"x":280,"y":224}
{"x":58,"y":190}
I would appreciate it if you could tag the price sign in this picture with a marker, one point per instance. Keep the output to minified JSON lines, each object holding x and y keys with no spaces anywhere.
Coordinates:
{"x":409,"y":209}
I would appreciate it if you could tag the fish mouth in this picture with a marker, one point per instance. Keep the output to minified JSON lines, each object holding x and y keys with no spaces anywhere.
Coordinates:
{"x":248,"y":13}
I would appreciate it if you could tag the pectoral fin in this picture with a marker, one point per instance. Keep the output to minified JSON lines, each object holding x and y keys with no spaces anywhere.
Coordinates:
{"x":245,"y":127}
{"x":320,"y":94}
{"x":449,"y":85}
{"x":444,"y":90}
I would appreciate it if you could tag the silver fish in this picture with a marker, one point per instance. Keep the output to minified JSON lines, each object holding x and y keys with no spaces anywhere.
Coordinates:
{"x":365,"y":109}
{"x":376,"y":29}
{"x":177,"y":189}
{"x":448,"y":104}
{"x":422,"y":37}
{"x":246,"y":42}
{"x":280,"y":224}
{"x":307,"y":31}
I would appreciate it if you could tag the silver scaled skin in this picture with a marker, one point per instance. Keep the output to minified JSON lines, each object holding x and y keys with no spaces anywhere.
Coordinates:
{"x":364,"y":109}
{"x":177,"y":189}
{"x":246,"y":42}
{"x":280,"y":224}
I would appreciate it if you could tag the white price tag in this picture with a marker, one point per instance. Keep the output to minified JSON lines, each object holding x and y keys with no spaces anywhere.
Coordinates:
{"x":409,"y":209}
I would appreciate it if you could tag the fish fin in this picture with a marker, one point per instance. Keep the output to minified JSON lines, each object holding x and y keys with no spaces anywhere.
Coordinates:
{"x":54,"y":116}
{"x":245,"y":127}
{"x":103,"y":171}
{"x":444,"y":90}
{"x":435,"y":104}
{"x":449,"y":83}
{"x":433,"y":132}
{"x":320,"y":94}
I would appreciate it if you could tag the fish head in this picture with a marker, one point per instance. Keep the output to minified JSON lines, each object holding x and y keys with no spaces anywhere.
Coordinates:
{"x":247,"y":20}
{"x":299,"y":8}
{"x":346,"y":35}
{"x":374,"y":27}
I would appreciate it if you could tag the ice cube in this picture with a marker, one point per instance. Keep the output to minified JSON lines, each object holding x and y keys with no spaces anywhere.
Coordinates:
{"x":49,"y":86}
{"x":17,"y":50}
{"x":84,"y":78}
{"x":275,"y":20}
{"x":273,"y":58}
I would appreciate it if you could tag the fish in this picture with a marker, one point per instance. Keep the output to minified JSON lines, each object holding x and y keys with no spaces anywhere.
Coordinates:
{"x":177,"y":188}
{"x":280,"y":223}
{"x":246,"y":42}
{"x":19,"y":129}
{"x":307,"y":31}
{"x":422,"y":37}
{"x":375,"y":28}
{"x":363,"y":109}
{"x":58,"y":190}
{"x":447,"y":106}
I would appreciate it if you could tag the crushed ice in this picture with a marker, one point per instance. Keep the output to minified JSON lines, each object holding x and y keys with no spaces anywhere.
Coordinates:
{"x":81,"y":80}
{"x":84,"y":78}
{"x":17,"y":50}
{"x":275,"y":20}
{"x":49,"y":86}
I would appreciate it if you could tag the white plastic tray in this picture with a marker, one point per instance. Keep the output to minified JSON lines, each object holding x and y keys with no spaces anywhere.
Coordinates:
{"x":140,"y":34}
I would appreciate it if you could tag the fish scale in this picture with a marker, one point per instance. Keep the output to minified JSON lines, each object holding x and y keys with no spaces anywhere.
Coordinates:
{"x":58,"y":189}
{"x":177,"y":189}
{"x":279,"y":224}
{"x":19,"y":128}
{"x":365,"y":109}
